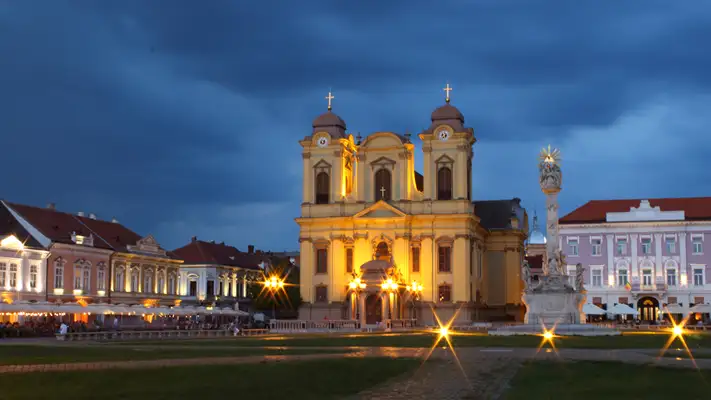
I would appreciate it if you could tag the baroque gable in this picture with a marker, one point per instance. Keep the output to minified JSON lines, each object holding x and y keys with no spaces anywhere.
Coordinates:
{"x":147,"y":245}
{"x":381,"y":209}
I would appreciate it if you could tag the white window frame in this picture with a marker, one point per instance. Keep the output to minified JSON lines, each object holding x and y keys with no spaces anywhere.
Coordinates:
{"x":627,"y":276}
{"x":58,"y":275}
{"x":642,"y":242}
{"x":12,"y":279}
{"x":595,"y":243}
{"x":647,"y":273}
{"x":593,"y":276}
{"x":670,"y":244}
{"x":701,"y":268}
{"x":34,"y":273}
{"x":697,"y":239}
{"x":623,"y":242}
{"x":573,"y":243}
{"x":3,"y":275}
{"x":674,"y":275}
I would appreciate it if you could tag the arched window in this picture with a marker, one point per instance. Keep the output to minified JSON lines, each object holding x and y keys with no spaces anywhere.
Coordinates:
{"x":101,"y":276}
{"x":86,"y":280}
{"x":120,"y":280}
{"x":322,"y":188}
{"x":382,"y":250}
{"x":161,"y":282}
{"x":444,"y":184}
{"x":171,"y":283}
{"x":148,"y":281}
{"x":59,"y":274}
{"x":383,"y":185}
{"x":134,"y":280}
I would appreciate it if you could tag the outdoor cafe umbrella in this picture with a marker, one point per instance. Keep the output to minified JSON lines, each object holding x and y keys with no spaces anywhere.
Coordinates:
{"x":674,"y":309}
{"x":591,"y":309}
{"x":623,"y":309}
{"x":701,"y":309}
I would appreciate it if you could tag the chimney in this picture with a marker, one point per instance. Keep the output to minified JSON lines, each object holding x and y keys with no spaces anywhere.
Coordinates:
{"x":51,"y":206}
{"x":114,"y":220}
{"x":250,"y":249}
{"x":80,"y":213}
{"x":92,"y":215}
{"x":193,"y":239}
{"x":222,"y":243}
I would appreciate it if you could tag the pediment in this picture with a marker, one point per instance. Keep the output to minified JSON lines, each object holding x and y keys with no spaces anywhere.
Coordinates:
{"x":11,"y":242}
{"x":383,"y":161}
{"x":381,"y":209}
{"x":322,"y":164}
{"x":444,"y":159}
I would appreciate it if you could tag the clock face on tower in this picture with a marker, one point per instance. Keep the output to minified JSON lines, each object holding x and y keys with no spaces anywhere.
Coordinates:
{"x":443,"y":135}
{"x":322,"y":142}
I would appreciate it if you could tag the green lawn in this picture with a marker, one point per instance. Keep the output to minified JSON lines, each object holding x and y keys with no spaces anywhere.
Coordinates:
{"x":29,"y":354}
{"x":641,"y":341}
{"x":607,"y":380}
{"x":320,"y":379}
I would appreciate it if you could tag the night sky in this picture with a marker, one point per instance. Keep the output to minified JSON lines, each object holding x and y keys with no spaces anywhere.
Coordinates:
{"x":182,"y":118}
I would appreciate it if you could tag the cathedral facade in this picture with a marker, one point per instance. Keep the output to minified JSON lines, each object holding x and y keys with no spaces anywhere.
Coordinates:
{"x":382,"y":243}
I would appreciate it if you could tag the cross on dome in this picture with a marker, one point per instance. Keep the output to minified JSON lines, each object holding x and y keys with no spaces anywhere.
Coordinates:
{"x":447,"y":89}
{"x":329,"y":98}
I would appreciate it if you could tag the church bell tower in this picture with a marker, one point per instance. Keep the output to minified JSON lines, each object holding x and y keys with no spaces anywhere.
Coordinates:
{"x":447,"y":148}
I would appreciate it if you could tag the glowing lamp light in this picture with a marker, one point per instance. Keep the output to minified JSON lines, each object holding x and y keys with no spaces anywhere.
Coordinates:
{"x":548,"y":335}
{"x":678,"y":330}
{"x":273,"y":283}
{"x":444,"y":332}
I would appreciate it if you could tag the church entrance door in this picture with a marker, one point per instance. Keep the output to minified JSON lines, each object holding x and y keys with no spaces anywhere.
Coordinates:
{"x":648,"y":308}
{"x":373,"y":309}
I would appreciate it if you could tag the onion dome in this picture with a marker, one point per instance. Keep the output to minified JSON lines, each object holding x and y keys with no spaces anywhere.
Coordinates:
{"x":447,"y":113}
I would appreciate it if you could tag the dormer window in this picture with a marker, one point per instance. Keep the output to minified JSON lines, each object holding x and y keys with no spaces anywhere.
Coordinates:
{"x":83,"y":240}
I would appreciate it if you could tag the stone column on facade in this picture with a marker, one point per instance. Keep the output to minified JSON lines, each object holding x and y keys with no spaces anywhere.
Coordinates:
{"x":308,"y":184}
{"x":336,"y":176}
{"x":658,"y":239}
{"x":682,"y":259}
{"x":403,"y":168}
{"x":307,"y":270}
{"x":634,"y":243}
{"x":428,"y":181}
{"x":233,"y":284}
{"x":610,"y":270}
{"x":360,"y":312}
{"x":360,"y":189}
{"x":428,"y":268}
{"x":460,"y":173}
{"x":460,"y":268}
{"x":337,"y":270}
{"x":127,"y":273}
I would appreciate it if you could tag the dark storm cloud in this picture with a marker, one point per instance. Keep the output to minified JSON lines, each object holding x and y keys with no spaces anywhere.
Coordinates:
{"x":182,"y":118}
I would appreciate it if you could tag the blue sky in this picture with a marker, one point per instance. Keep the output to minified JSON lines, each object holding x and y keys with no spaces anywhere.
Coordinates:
{"x":184,"y":119}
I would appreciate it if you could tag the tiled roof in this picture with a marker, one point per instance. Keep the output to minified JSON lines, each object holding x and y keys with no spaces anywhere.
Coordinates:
{"x":496,"y":214}
{"x":115,"y":234}
{"x":10,"y":226}
{"x":202,"y":252}
{"x":594,"y":211}
{"x":55,"y":225}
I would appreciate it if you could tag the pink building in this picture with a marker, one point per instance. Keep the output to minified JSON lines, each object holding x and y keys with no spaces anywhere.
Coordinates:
{"x":658,"y":246}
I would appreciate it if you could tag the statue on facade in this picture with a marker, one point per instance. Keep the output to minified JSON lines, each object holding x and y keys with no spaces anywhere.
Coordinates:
{"x":526,"y":275}
{"x":579,"y":280}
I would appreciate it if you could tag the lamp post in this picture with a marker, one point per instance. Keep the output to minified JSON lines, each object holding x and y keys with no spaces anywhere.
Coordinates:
{"x":390,"y":287}
{"x":356,"y":285}
{"x":273,"y":284}
{"x":414,"y":289}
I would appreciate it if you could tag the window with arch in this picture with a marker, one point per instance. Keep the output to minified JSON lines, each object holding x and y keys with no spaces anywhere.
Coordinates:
{"x":3,"y":275}
{"x":101,"y":276}
{"x":135,"y":282}
{"x":161,"y":282}
{"x":322,"y":187}
{"x":171,"y":283}
{"x":34,"y":270}
{"x":383,"y":185}
{"x":119,"y":279}
{"x":382,"y":251}
{"x":13,"y":276}
{"x":59,"y":274}
{"x":622,"y":277}
{"x":444,"y":183}
{"x":86,"y":279}
{"x":148,"y":281}
{"x":78,"y":271}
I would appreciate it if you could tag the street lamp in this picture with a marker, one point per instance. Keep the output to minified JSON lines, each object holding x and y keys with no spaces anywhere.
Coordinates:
{"x":390,"y":287}
{"x":356,"y":285}
{"x":414,"y":289}
{"x":273,"y":284}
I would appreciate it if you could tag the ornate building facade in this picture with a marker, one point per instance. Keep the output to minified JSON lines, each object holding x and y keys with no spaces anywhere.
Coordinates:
{"x":379,"y":241}
{"x":643,"y":253}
